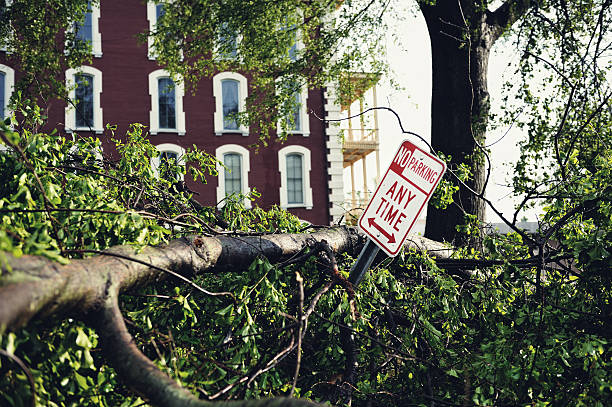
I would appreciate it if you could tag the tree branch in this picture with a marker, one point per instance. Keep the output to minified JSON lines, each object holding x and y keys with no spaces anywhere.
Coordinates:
{"x":507,"y":14}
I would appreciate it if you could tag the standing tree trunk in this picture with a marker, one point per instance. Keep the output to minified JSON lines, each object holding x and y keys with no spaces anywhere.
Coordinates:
{"x":462,"y":34}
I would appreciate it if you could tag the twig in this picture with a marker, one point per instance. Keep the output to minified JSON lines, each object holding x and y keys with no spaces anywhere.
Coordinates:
{"x":298,"y":361}
{"x":25,"y":370}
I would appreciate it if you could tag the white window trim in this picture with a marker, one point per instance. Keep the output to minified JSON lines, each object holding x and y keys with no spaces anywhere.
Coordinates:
{"x":9,"y":86}
{"x":171,"y":148}
{"x":218,"y":94}
{"x":282,"y":166}
{"x":304,"y":117}
{"x":152,"y":17}
{"x":96,"y":36}
{"x":179,"y":92}
{"x":69,"y":119}
{"x":244,"y":176}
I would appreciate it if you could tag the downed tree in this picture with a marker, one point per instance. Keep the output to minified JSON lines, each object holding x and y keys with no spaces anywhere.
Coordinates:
{"x":88,"y":289}
{"x":508,"y":321}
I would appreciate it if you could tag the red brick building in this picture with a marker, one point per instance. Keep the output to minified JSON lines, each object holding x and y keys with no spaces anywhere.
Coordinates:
{"x":123,"y":84}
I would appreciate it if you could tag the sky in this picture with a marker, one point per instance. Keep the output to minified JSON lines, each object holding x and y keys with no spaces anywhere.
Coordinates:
{"x":410,"y":59}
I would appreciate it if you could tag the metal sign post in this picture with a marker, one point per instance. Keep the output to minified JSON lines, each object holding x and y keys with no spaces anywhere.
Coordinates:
{"x":363,"y":263}
{"x":397,"y":203}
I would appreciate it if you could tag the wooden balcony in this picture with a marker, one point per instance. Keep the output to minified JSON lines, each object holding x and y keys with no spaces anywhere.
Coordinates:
{"x":358,"y":143}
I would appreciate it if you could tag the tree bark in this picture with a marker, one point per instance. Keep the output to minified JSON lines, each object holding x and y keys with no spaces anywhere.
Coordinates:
{"x":462,"y":34}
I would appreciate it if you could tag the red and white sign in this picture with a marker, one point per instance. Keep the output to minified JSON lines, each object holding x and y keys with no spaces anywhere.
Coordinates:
{"x":401,"y":196}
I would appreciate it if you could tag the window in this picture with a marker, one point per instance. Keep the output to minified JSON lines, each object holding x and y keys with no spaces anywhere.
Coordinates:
{"x":295,"y":43}
{"x":228,"y":42}
{"x":233,"y":173}
{"x":87,"y":30}
{"x":166,"y":113}
{"x":84,"y":29}
{"x":234,"y":178}
{"x":230,"y":96}
{"x":297,"y":120}
{"x":295,"y":181}
{"x":230,"y":91}
{"x":84,"y":113}
{"x":7,"y":82}
{"x":4,"y":42}
{"x":294,"y":166}
{"x":169,"y":154}
{"x":167,"y":103}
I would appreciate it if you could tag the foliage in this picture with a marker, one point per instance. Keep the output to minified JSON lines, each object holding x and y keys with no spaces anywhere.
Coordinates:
{"x":509,"y":321}
{"x":422,"y":329}
{"x":282,"y":45}
{"x":42,"y":41}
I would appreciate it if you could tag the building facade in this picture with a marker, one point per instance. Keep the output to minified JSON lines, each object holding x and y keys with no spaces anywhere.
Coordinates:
{"x":124,"y":84}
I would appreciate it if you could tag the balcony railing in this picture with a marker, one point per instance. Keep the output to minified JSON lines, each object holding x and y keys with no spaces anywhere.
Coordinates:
{"x":359,"y":143}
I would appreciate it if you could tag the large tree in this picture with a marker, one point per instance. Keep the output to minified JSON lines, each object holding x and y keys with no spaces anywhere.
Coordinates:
{"x":462,"y":34}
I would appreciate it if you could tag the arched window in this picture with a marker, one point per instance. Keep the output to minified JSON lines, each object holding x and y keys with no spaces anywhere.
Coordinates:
{"x":294,"y":166}
{"x":167,"y":103}
{"x":84,"y":113}
{"x":169,"y":154}
{"x":230,"y":91}
{"x":7,"y":82}
{"x":295,"y":179}
{"x":234,"y":178}
{"x":166,"y":115}
{"x":231,"y":105}
{"x":232,"y":173}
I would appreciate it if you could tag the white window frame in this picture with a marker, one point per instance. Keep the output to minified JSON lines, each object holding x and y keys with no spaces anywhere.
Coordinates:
{"x":245,"y":168}
{"x":218,"y":94}
{"x":170,"y":148}
{"x":304,"y":118}
{"x":179,"y":92}
{"x":282,"y":166}
{"x":152,"y":17}
{"x":69,"y":119}
{"x":96,"y":36}
{"x":9,"y":87}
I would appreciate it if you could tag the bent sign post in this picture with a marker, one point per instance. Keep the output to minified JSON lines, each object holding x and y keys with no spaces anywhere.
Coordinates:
{"x":397,"y":203}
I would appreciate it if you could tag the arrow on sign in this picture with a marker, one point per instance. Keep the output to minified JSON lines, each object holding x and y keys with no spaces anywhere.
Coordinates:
{"x":391,"y":236}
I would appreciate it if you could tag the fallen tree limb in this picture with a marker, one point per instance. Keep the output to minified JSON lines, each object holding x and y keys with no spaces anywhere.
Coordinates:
{"x":32,"y":287}
{"x":35,"y":287}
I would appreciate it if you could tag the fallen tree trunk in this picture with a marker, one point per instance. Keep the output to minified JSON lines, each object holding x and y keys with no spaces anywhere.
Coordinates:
{"x":33,"y":287}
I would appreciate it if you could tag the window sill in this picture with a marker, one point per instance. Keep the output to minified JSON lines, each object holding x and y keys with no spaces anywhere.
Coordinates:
{"x":84,"y":129}
{"x":300,"y":205}
{"x":294,"y":133}
{"x":299,"y":133}
{"x":173,"y":131}
{"x":242,"y":132}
